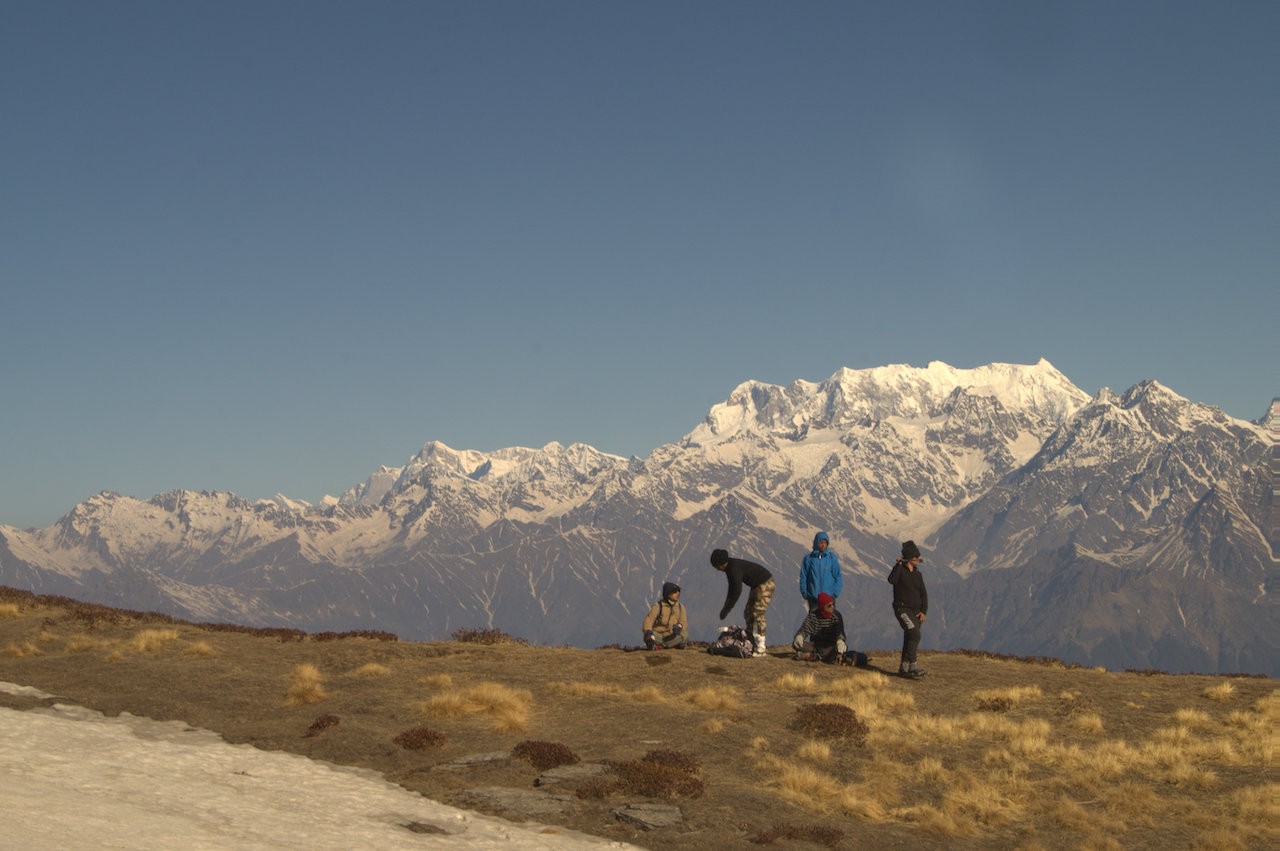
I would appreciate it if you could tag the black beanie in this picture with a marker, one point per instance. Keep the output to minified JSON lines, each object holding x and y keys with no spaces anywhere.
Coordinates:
{"x":719,"y":557}
{"x":669,"y":588}
{"x":910,"y":550}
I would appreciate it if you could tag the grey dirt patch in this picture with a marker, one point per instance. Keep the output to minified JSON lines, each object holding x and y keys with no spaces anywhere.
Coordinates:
{"x":527,"y":802}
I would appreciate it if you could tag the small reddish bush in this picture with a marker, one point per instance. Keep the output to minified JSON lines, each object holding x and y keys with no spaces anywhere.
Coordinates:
{"x":419,"y":738}
{"x":829,"y":721}
{"x":322,"y":723}
{"x":544,"y":755}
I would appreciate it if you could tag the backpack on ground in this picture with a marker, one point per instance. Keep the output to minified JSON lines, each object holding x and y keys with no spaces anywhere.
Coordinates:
{"x":733,"y":641}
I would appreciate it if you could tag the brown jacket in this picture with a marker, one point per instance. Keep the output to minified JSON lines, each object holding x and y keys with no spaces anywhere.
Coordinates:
{"x":664,"y":616}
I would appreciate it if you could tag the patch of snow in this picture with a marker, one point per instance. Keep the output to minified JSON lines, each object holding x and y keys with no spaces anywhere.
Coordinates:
{"x":72,"y":778}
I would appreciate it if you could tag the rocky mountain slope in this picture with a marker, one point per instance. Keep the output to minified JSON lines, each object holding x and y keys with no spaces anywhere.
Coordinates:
{"x":1126,"y":531}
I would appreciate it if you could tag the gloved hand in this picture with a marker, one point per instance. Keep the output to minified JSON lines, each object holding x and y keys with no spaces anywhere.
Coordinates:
{"x":841,"y":647}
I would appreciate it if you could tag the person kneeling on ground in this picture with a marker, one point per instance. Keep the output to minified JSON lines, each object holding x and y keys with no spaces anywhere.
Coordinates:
{"x":667,"y":624}
{"x":821,"y":636}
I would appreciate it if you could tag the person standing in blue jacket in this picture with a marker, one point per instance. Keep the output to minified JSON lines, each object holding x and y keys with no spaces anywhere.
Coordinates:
{"x":820,"y":572}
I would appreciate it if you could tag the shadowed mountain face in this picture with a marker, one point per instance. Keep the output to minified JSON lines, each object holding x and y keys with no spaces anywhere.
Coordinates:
{"x":1127,"y":531}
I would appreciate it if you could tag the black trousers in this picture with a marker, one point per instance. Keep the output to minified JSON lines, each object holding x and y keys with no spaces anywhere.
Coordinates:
{"x":910,"y":634}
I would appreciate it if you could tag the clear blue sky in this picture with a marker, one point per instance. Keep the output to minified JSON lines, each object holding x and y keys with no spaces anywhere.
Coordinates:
{"x":267,"y":246}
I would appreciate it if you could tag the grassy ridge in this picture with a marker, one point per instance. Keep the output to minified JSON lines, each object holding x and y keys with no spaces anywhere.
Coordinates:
{"x":985,"y":752}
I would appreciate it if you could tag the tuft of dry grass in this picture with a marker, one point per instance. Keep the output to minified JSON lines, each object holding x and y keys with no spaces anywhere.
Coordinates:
{"x":814,"y":751}
{"x":1221,"y":691}
{"x":152,"y":640}
{"x":84,"y":643}
{"x":438,"y":681}
{"x":1089,"y":723}
{"x":506,"y":707}
{"x":714,"y":699}
{"x":1004,"y":699}
{"x":198,"y":648}
{"x":805,"y":683}
{"x":9,"y":611}
{"x":372,"y":669}
{"x":305,"y":686}
{"x":19,"y":651}
{"x":713,"y":725}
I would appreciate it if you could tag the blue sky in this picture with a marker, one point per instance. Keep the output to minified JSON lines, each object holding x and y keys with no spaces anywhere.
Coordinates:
{"x":265,"y":247}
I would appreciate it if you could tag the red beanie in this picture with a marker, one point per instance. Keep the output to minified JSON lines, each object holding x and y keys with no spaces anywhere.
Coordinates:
{"x":825,"y":599}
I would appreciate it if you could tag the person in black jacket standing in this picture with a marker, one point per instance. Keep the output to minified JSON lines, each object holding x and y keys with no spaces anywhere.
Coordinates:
{"x":910,"y":605}
{"x":741,"y":572}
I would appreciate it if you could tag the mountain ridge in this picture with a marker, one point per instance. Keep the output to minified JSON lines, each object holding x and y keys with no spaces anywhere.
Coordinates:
{"x":1003,"y":469}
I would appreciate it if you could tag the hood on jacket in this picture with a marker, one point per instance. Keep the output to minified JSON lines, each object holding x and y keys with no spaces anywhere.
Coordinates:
{"x":669,"y":588}
{"x":821,"y":536}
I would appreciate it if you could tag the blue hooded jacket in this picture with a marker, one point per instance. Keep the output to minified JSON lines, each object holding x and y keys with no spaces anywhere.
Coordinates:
{"x":820,"y":572}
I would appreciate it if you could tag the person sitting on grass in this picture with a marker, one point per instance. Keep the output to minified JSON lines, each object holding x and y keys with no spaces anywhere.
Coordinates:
{"x":667,"y":624}
{"x":821,"y":636}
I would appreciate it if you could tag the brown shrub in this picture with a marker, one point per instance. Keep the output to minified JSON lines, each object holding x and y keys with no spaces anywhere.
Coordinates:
{"x":322,"y":723}
{"x":657,"y":778}
{"x":419,"y":738}
{"x":828,"y":836}
{"x":544,"y":755}
{"x":597,"y":787}
{"x":471,"y":635}
{"x":829,"y":721}
{"x":995,"y":704}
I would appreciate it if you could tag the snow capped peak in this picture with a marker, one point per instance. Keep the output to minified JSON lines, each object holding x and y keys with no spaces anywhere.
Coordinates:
{"x":282,"y":501}
{"x":899,"y":391}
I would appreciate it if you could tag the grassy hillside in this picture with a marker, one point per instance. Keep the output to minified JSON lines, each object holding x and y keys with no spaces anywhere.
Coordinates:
{"x":982,"y":753}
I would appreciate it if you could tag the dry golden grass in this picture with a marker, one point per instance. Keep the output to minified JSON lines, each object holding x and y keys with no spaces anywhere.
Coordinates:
{"x":305,"y":686}
{"x":21,"y":651}
{"x":714,"y":699}
{"x":1221,"y":691}
{"x":198,"y":649}
{"x":438,"y":681}
{"x":83,"y":643}
{"x":372,"y":669}
{"x":152,"y":640}
{"x":712,"y":726}
{"x":1067,"y":776}
{"x":805,"y":682}
{"x":580,"y":689}
{"x":1194,"y":719}
{"x":1089,"y":723}
{"x":10,"y":610}
{"x":506,"y":708}
{"x":1014,"y":695}
{"x":1109,"y":760}
{"x":813,"y":751}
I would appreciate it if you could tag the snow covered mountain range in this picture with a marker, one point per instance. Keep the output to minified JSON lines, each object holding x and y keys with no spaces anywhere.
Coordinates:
{"x":1131,"y":531}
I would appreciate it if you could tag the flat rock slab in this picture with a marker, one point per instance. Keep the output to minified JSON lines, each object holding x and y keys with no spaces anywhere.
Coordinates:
{"x":528,"y":802}
{"x":477,"y":759}
{"x":649,"y":816}
{"x":570,"y":773}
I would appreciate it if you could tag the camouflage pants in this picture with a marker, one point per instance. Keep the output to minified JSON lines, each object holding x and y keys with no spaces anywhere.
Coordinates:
{"x":757,"y":603}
